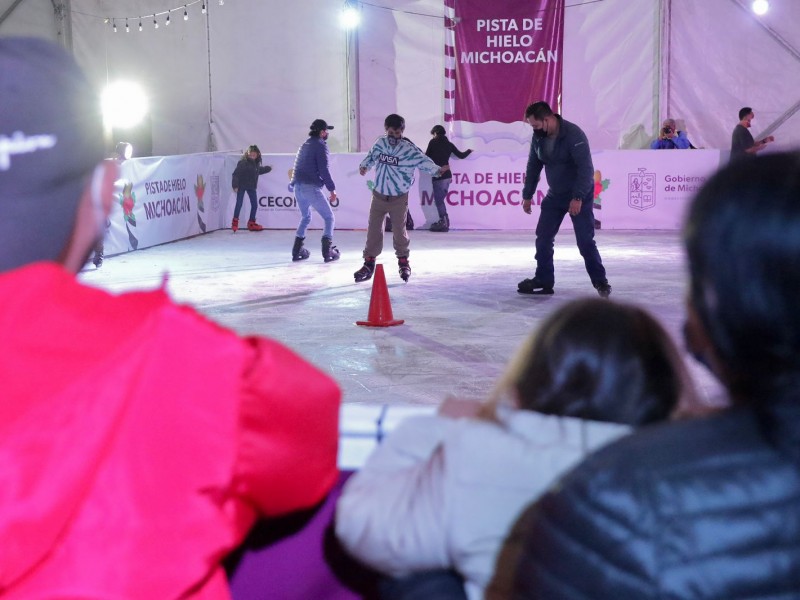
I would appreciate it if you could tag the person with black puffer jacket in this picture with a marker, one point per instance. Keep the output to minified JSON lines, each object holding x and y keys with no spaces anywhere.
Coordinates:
{"x":439,"y":151}
{"x":708,"y":507}
{"x":245,"y":179}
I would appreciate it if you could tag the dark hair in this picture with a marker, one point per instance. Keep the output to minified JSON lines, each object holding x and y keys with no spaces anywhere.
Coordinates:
{"x":742,"y":238}
{"x":252,"y":148}
{"x":394,"y":121}
{"x":744,"y":112}
{"x":438,"y":131}
{"x":121,"y":149}
{"x":602,"y":361}
{"x":538,"y":110}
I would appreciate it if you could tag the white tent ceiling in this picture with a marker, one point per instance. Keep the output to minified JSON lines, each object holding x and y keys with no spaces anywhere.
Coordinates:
{"x":261,"y":70}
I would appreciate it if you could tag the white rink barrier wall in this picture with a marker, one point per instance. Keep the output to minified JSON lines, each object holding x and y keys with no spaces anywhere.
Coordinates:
{"x":162,"y":199}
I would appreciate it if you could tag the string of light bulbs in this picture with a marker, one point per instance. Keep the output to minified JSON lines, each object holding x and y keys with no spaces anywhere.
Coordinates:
{"x":117,"y":22}
{"x":421,"y":14}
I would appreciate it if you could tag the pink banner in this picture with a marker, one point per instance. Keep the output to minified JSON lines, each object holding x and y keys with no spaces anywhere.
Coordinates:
{"x":507,"y":54}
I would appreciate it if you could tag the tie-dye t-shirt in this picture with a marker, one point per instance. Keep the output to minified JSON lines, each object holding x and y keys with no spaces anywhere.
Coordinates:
{"x":394,"y":165}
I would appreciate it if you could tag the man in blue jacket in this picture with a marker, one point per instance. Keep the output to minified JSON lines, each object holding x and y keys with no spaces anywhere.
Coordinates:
{"x":561,"y":148}
{"x":309,"y":175}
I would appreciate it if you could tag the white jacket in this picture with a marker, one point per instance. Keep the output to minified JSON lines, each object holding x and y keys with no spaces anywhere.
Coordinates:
{"x":443,"y":493}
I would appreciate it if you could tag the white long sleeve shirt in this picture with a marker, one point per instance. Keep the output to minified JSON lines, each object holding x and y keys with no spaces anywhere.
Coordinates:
{"x":444,"y":493}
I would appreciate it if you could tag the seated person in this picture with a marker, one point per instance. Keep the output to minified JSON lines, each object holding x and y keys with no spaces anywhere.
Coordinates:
{"x":670,"y":138}
{"x":707,"y":507}
{"x":442,"y":492}
{"x":139,"y":441}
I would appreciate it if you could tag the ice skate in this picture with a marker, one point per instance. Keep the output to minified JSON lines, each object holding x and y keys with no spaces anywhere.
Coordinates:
{"x":603,"y":289}
{"x":404,"y":267}
{"x":298,"y":252}
{"x":329,"y":251}
{"x":534,"y":286}
{"x":365,"y":272}
{"x":235,"y":224}
{"x":253,"y":226}
{"x":442,"y":225}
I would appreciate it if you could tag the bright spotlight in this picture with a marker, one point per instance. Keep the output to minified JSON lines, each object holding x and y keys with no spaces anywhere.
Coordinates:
{"x":760,"y":7}
{"x":350,"y":17}
{"x":124,"y":105}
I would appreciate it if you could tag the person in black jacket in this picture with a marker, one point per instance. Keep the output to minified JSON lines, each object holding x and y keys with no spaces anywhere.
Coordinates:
{"x":245,"y":179}
{"x":439,"y":150}
{"x":562,"y":149}
{"x":708,"y":507}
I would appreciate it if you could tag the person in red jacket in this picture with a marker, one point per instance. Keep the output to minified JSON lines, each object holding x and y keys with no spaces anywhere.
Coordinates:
{"x":132,"y":472}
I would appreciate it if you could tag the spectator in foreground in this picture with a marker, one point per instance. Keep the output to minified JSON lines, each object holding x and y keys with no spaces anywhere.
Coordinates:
{"x":705,"y":508}
{"x":138,"y":441}
{"x":442,"y":492}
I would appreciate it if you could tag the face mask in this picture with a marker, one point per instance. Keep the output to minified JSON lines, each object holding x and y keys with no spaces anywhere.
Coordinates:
{"x":541,"y":132}
{"x":392,"y":140}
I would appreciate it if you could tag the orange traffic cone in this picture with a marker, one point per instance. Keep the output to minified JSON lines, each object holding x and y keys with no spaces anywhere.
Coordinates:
{"x":380,"y":308}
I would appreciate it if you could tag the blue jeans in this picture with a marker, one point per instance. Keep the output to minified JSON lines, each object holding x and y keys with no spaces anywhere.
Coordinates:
{"x":440,"y":187}
{"x":308,"y":196}
{"x":253,"y":203}
{"x":551,"y":215}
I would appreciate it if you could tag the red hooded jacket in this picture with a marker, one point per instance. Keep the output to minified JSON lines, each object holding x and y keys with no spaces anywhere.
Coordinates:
{"x":139,"y":441}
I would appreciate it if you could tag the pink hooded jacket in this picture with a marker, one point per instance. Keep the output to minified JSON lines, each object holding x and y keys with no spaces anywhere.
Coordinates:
{"x":139,"y":441}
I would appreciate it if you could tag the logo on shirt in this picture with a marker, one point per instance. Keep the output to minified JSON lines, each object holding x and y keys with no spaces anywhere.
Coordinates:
{"x":19,"y":143}
{"x":389,"y":160}
{"x":641,"y":190}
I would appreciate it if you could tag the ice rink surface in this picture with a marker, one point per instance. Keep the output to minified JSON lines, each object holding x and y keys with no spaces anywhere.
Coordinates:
{"x":463,"y":316}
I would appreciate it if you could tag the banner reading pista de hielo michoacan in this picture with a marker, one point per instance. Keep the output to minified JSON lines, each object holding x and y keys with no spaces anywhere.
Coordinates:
{"x":501,"y":56}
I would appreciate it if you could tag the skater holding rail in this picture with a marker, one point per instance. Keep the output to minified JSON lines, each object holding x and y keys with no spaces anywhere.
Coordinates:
{"x":439,"y":150}
{"x":245,"y":179}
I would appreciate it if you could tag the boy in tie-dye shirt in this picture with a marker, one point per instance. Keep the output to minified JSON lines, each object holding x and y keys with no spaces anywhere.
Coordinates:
{"x":395,"y":159}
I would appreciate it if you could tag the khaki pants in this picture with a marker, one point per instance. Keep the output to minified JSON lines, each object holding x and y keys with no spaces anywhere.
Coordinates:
{"x":396,"y":207}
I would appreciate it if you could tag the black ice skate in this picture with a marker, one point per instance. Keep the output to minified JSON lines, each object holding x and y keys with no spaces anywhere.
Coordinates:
{"x":99,"y":255}
{"x":365,"y":272}
{"x":442,"y":225}
{"x":405,"y":268}
{"x":298,"y":252}
{"x":603,"y":289}
{"x":329,"y":251}
{"x":534,"y":286}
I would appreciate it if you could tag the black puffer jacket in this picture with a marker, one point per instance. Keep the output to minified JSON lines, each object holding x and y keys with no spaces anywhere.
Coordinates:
{"x":708,"y":508}
{"x":246,"y":173}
